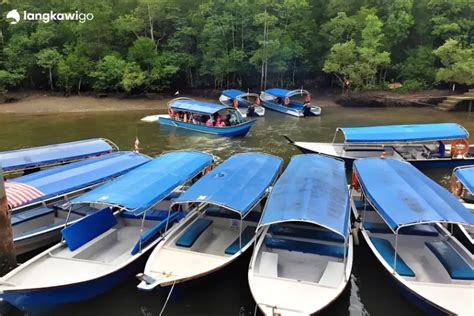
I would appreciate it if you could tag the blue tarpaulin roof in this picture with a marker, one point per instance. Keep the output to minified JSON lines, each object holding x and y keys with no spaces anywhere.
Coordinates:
{"x":282,"y":93}
{"x":312,"y":189}
{"x":145,"y":186}
{"x":404,"y":133}
{"x":197,"y":106}
{"x":51,"y":154}
{"x":404,"y":196}
{"x":80,"y":174}
{"x":466,"y":176}
{"x":232,"y":93}
{"x":236,"y":184}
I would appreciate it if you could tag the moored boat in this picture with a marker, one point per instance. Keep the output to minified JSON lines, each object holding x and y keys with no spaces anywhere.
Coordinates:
{"x":302,"y":260}
{"x":223,"y":209}
{"x":247,"y":103}
{"x":402,"y":214}
{"x":32,"y":159}
{"x":128,"y":217}
{"x":210,"y":118}
{"x":35,"y":198}
{"x":280,"y":100}
{"x":462,"y":186}
{"x":420,"y":144}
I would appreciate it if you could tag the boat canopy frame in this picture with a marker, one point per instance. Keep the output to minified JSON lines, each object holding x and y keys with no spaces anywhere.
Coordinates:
{"x":466,"y":183}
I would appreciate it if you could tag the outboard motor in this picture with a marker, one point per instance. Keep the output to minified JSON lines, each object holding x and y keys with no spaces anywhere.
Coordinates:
{"x":251,"y":110}
{"x":307,"y":110}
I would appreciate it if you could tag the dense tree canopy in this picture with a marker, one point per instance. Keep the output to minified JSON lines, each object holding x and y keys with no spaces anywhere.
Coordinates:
{"x":151,"y":45}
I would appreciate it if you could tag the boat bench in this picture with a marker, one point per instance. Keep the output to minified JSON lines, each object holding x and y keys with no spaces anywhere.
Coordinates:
{"x":152,"y":215}
{"x":156,"y":231}
{"x":324,"y":235}
{"x":268,"y":264}
{"x":247,"y":234}
{"x":83,"y":210}
{"x":454,"y":264}
{"x":88,"y":228}
{"x":305,"y":246}
{"x":386,"y":250}
{"x":332,"y":274}
{"x":416,"y":230}
{"x":219,"y":212}
{"x":193,"y":232}
{"x":51,"y":226}
{"x":23,"y":216}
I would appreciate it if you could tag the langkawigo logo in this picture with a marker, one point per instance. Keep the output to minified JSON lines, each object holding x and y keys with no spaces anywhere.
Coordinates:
{"x":80,"y":17}
{"x":13,"y":14}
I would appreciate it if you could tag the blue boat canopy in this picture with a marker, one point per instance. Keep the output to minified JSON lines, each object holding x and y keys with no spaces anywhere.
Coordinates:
{"x":74,"y":176}
{"x":54,"y":154}
{"x":196,"y":106}
{"x":466,"y":176}
{"x":404,"y":196}
{"x":145,"y":186}
{"x":404,"y":133}
{"x":282,"y":93}
{"x":232,"y":93}
{"x":236,"y":184}
{"x":312,"y":189}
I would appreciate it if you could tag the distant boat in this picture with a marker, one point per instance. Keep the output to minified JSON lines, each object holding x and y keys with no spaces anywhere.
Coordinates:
{"x":222,"y":211}
{"x":32,"y":159}
{"x":402,"y":214}
{"x":127,"y":218}
{"x":35,"y":198}
{"x":247,"y":103}
{"x":412,"y":143}
{"x":302,"y":260}
{"x":194,"y":115}
{"x":280,"y":100}
{"x":462,"y":185}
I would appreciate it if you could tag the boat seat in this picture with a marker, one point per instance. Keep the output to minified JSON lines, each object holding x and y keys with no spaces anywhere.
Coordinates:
{"x":88,"y":228}
{"x":23,"y":216}
{"x":193,"y":232}
{"x":416,"y":230}
{"x":156,"y":231}
{"x":219,"y":212}
{"x":83,"y":210}
{"x":152,"y":215}
{"x":457,"y":268}
{"x":386,"y":250}
{"x":247,"y":235}
{"x":305,"y":246}
{"x":59,"y":223}
{"x":291,"y":231}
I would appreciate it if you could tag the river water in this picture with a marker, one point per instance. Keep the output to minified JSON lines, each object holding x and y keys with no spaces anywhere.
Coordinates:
{"x":226,"y":292}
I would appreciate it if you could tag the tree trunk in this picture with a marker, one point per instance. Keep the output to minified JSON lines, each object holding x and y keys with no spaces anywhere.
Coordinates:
{"x":7,"y":248}
{"x":79,"y":87}
{"x":150,"y":22}
{"x":51,"y":77}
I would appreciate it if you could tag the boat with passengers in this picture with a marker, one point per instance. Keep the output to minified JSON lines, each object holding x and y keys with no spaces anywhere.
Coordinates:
{"x":35,"y":199}
{"x":222,"y":211}
{"x":28,"y":160}
{"x":210,"y":118}
{"x":420,"y":144}
{"x":403,"y":214}
{"x":462,"y":186}
{"x":127,"y":218}
{"x":247,"y":103}
{"x":302,"y":259}
{"x":283,"y":101}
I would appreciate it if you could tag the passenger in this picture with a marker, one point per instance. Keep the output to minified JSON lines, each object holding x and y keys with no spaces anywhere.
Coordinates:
{"x":307,"y":108}
{"x":185,"y":117}
{"x":441,"y":149}
{"x":209,"y":121}
{"x":233,"y":120}
{"x":251,"y":110}
{"x":218,"y":121}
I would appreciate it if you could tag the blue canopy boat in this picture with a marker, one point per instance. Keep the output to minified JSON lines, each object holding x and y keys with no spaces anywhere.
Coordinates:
{"x":128,"y":217}
{"x":203,"y":117}
{"x":418,"y":144}
{"x":247,"y":103}
{"x":31,"y":159}
{"x":462,"y":186}
{"x":403,"y":213}
{"x":304,"y":247}
{"x":223,"y":208}
{"x":280,"y":100}
{"x":34,"y":198}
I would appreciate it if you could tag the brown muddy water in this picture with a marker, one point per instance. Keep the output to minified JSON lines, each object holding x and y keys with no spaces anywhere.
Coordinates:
{"x":226,"y":292}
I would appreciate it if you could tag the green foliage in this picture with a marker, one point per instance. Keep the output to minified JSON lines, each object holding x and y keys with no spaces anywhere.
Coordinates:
{"x":48,"y":58}
{"x":133,"y":77}
{"x":412,"y":85}
{"x":8,"y":79}
{"x":419,"y":66}
{"x":458,"y":63}
{"x":108,"y":73}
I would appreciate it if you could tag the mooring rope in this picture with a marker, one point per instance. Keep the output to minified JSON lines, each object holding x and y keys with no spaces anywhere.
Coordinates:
{"x":167,"y":299}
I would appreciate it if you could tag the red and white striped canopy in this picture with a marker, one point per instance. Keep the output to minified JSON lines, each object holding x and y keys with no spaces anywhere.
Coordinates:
{"x":19,"y":193}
